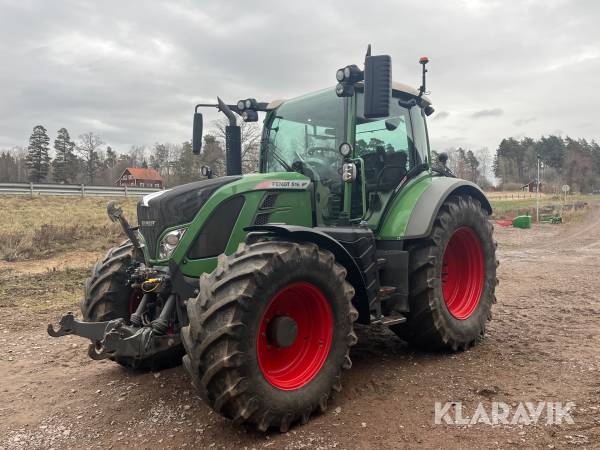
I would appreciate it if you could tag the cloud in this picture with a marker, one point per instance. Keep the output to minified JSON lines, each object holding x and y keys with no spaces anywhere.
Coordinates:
{"x":524,"y":121}
{"x":132,"y":71}
{"x":494,"y":112}
{"x":441,"y":115}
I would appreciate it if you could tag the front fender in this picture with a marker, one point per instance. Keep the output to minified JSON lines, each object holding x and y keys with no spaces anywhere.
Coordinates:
{"x":412,"y":213}
{"x":342,"y":256}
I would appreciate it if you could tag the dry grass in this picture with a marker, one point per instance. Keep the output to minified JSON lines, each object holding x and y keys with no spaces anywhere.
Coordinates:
{"x":39,"y":227}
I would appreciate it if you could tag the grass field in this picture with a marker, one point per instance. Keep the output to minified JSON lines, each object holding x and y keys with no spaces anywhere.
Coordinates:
{"x":39,"y":227}
{"x":505,"y":204}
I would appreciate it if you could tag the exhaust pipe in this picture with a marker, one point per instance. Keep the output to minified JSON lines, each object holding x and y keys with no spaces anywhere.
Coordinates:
{"x":233,"y":141}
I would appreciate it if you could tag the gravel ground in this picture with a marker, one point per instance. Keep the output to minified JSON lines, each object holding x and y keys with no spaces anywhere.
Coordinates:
{"x":542,"y":345}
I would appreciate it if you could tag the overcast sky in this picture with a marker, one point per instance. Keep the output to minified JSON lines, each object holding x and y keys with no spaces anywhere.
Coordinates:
{"x":131,"y":71}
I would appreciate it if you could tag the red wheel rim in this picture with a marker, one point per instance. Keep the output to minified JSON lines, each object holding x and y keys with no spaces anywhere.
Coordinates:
{"x":292,"y":367}
{"x":462,"y":273}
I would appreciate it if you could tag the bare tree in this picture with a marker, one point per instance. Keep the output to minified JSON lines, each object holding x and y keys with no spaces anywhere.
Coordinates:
{"x":87,"y":148}
{"x":251,"y":133}
{"x":484,"y":156}
{"x":164,"y":158}
{"x":137,"y":155}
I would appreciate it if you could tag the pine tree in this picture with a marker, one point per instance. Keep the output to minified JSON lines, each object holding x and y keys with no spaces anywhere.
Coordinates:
{"x":65,"y":163}
{"x":38,"y":160}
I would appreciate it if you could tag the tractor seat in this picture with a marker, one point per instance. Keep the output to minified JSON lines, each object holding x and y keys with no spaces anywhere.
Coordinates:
{"x":384,"y":170}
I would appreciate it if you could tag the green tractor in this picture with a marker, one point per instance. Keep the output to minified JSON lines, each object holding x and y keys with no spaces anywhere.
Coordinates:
{"x":256,"y":281}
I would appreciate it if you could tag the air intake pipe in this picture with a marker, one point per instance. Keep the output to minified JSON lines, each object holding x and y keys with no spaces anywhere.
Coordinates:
{"x":233,"y":141}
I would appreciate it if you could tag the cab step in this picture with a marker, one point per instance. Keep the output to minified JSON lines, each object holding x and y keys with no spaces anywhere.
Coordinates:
{"x":388,"y":321}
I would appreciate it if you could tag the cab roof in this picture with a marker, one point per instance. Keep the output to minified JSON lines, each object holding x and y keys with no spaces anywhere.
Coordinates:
{"x":396,"y":86}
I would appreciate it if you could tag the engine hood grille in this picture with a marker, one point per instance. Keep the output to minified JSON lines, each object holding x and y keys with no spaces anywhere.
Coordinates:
{"x":174,"y":206}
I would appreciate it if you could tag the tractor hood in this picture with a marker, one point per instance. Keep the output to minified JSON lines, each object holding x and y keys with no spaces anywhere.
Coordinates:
{"x":158,"y":211}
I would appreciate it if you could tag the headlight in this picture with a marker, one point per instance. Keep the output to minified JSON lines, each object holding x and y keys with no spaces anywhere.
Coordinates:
{"x":169,"y":242}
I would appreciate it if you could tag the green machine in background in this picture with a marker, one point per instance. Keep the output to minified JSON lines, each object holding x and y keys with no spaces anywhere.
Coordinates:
{"x":255,"y":281}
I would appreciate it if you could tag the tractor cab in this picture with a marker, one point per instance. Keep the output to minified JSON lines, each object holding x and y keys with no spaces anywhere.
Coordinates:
{"x":357,"y":142}
{"x":308,"y":134}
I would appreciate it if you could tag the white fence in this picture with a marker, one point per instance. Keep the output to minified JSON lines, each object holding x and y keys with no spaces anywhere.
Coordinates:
{"x":80,"y":190}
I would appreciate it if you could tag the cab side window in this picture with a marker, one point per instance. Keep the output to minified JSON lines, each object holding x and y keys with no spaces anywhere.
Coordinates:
{"x":385,"y":145}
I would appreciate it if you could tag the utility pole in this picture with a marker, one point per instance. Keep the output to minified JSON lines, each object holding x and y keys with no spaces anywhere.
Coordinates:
{"x":537,"y":191}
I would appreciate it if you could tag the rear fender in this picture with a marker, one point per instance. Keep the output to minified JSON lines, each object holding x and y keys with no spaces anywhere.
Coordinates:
{"x":413,"y":217}
{"x":342,"y":256}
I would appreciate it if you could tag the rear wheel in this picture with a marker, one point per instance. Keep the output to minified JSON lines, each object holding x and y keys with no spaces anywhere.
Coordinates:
{"x":270,"y":332}
{"x":452,"y":279}
{"x":107,"y":296}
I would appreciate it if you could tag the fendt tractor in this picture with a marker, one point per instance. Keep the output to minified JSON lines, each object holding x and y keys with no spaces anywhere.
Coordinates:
{"x":255,"y":281}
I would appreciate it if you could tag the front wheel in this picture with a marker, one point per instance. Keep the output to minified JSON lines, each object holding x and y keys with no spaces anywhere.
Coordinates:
{"x":270,"y":332}
{"x":452,"y":279}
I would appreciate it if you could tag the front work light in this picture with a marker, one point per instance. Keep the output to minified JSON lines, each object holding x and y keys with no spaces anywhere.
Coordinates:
{"x":250,"y":115}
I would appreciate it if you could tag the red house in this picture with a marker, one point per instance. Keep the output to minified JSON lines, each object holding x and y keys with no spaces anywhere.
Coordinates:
{"x":134,"y":176}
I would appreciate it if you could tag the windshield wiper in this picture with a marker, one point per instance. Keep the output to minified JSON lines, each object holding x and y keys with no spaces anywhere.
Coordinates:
{"x":279,"y":159}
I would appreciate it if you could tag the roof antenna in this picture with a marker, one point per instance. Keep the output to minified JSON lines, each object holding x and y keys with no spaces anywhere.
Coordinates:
{"x":423,"y":61}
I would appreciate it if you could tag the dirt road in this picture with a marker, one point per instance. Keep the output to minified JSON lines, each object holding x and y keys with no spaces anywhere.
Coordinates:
{"x":542,"y":345}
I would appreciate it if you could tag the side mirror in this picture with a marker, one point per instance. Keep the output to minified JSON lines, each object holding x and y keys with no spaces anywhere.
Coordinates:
{"x":378,"y":86}
{"x":197,"y":134}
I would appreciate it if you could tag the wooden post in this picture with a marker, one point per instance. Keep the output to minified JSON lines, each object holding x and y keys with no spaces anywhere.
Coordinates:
{"x":83,"y":190}
{"x":31,"y":188}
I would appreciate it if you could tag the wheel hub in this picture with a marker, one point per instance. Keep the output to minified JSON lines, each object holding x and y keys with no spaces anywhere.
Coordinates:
{"x":282,"y":331}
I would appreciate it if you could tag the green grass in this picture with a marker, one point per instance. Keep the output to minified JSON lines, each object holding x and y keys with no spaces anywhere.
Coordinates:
{"x":506,"y":207}
{"x":39,"y":227}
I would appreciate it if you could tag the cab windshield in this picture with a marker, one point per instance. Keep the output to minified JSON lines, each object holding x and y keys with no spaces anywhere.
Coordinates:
{"x":308,"y":129}
{"x":304,"y":134}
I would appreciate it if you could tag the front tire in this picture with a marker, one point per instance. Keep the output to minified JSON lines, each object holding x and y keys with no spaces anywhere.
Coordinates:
{"x":241,"y":354}
{"x":452,"y":279}
{"x":107,"y":296}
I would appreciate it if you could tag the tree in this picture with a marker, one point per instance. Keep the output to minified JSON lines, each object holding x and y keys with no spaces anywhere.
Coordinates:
{"x":64,"y":166}
{"x":484,"y":157}
{"x":472,"y":167}
{"x":38,"y":160}
{"x":8,"y":167}
{"x":508,"y":163}
{"x":213,"y":155}
{"x":250,"y":135}
{"x":163,"y":159}
{"x":551,"y":150}
{"x":137,"y":155}
{"x":187,"y":167}
{"x":87,"y":147}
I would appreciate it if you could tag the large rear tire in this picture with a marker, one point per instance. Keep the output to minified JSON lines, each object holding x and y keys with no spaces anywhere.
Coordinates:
{"x":452,"y":279}
{"x":107,"y":296}
{"x":270,"y":332}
